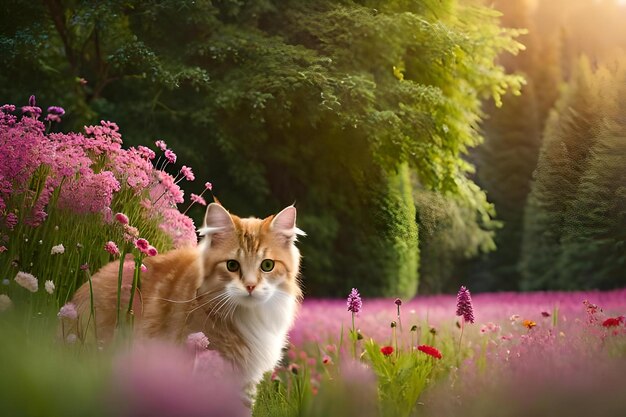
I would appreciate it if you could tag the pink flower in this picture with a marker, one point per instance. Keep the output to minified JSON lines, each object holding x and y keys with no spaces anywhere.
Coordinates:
{"x":208,"y":186}
{"x":197,"y":342}
{"x":3,"y":248}
{"x":326,"y":360}
{"x":11,"y":221}
{"x":152,"y":251}
{"x":187,"y":173}
{"x":68,"y":311}
{"x":170,"y":156}
{"x":112,"y":248}
{"x":197,"y":199}
{"x":5,"y":302}
{"x":57,"y":249}
{"x":142,"y":244}
{"x":49,"y":285}
{"x":121,"y":218}
{"x":146,"y":153}
{"x":27,"y":281}
{"x":130,"y":233}
{"x":143,"y":268}
{"x":161,"y":145}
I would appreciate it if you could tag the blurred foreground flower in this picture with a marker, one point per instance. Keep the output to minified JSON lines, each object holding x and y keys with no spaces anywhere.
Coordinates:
{"x":5,"y":302}
{"x":613,"y":321}
{"x":68,"y":311}
{"x":144,"y":384}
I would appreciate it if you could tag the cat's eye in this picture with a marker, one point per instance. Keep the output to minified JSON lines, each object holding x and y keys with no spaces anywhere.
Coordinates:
{"x":267,"y":265}
{"x":232,"y":265}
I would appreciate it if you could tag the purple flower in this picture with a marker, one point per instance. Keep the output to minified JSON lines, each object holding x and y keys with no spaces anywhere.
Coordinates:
{"x":56,"y":110}
{"x":398,"y":302}
{"x":68,"y":311}
{"x":11,"y":221}
{"x":32,"y":101}
{"x":354,"y":301}
{"x":464,"y":305}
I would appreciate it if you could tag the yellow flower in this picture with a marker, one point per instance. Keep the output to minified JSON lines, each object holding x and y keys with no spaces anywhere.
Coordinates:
{"x":529,"y":324}
{"x":398,"y":72}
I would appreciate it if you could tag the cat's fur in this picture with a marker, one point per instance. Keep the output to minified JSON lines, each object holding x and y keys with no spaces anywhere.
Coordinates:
{"x":191,"y":290}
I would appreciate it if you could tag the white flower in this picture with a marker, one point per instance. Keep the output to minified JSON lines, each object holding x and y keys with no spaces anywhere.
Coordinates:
{"x":27,"y":281}
{"x":5,"y":302}
{"x":49,"y":287}
{"x":58,"y":249}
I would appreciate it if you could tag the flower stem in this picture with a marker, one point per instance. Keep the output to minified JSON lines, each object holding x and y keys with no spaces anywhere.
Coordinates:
{"x":92,"y":314}
{"x":136,"y":284}
{"x":354,"y":338}
{"x":119,"y":284}
{"x":461,"y":337}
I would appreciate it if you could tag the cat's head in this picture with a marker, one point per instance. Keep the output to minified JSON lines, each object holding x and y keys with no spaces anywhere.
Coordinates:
{"x":250,"y":261}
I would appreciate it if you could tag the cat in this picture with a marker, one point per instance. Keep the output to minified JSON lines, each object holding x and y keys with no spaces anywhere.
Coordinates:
{"x":240,"y":286}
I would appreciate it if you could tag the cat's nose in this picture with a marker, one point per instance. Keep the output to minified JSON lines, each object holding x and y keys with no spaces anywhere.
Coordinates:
{"x":250,"y":288}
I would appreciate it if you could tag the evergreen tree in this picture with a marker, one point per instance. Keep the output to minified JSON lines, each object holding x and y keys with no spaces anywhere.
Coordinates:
{"x":567,"y":141}
{"x":593,"y":251}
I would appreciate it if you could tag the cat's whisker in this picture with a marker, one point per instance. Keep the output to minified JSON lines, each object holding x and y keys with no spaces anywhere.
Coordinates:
{"x":220,"y":295}
{"x":179,"y":301}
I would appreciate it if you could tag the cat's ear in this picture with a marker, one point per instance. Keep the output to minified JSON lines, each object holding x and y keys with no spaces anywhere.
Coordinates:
{"x":216,"y":221}
{"x":284,"y":223}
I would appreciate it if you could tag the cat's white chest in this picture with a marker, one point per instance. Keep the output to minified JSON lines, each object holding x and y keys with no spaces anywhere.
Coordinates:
{"x":264,"y":329}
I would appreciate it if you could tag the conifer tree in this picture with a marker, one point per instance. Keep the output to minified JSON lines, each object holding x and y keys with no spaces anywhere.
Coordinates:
{"x":567,"y":140}
{"x":593,"y":253}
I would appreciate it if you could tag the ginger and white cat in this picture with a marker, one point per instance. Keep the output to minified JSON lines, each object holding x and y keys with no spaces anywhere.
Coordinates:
{"x":239,"y":286}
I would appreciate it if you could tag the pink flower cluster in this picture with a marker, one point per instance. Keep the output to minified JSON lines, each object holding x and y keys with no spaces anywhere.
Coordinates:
{"x":86,"y":171}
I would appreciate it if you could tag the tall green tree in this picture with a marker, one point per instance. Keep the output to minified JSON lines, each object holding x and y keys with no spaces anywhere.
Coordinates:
{"x":567,"y":141}
{"x":593,"y":253}
{"x":322,"y":102}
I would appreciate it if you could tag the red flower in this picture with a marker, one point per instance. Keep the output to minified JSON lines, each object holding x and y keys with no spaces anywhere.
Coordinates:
{"x":613,"y":321}
{"x":386,"y":350}
{"x":429,"y":350}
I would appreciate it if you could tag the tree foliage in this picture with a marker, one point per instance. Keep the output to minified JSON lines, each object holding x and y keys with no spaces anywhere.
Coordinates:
{"x":323,"y":102}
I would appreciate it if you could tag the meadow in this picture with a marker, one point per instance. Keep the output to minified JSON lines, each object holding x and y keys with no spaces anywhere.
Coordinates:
{"x":73,"y":202}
